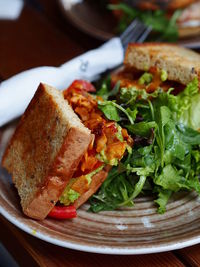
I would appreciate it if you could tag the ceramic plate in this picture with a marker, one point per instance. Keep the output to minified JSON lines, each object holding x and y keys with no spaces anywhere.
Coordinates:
{"x":137,"y":230}
{"x":99,"y":24}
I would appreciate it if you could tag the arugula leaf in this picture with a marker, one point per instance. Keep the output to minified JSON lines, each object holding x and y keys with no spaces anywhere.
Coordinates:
{"x":115,"y":90}
{"x":174,"y":145}
{"x":138,"y":188}
{"x":116,"y":189}
{"x":132,"y":113}
{"x":105,"y":92}
{"x":105,"y":88}
{"x":109,"y":107}
{"x":142,"y":128}
{"x":109,"y":110}
{"x":162,"y":117}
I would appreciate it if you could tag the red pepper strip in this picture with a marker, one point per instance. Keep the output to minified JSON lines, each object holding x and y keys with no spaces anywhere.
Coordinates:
{"x":82,"y":85}
{"x":63,"y":212}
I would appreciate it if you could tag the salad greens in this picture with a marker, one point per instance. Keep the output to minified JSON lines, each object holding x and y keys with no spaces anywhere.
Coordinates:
{"x":165,"y":157}
{"x":166,"y":28}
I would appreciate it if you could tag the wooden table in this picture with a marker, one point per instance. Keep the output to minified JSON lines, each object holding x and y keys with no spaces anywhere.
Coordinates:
{"x":42,"y":37}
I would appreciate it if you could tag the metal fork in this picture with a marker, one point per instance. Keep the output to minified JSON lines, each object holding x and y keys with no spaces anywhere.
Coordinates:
{"x":136,"y":32}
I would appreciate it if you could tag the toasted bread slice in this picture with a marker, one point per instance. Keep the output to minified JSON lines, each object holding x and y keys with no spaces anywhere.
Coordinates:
{"x":181,"y":64}
{"x":189,"y":31}
{"x":45,"y":150}
{"x":176,"y":4}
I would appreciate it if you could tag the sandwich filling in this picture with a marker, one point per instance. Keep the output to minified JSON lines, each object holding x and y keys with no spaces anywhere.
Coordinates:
{"x":109,"y":144}
{"x":150,"y":80}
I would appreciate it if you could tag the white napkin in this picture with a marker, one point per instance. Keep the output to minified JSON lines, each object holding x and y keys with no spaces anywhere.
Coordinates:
{"x":11,"y":9}
{"x":16,"y":92}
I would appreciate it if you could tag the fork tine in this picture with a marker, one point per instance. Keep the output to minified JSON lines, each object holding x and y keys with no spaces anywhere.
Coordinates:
{"x":129,"y":29}
{"x":135,"y":32}
{"x":132,"y":31}
{"x":144,"y":35}
{"x":134,"y":35}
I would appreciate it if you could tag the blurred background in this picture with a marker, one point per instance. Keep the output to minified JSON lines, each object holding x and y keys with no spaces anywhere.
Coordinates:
{"x":25,"y":25}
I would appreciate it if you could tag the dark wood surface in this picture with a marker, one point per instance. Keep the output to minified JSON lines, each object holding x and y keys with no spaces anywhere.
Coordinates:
{"x":41,"y":36}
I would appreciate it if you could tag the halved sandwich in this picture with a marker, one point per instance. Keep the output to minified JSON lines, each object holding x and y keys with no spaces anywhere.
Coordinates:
{"x":54,"y":158}
{"x":152,"y":65}
{"x":159,"y":100}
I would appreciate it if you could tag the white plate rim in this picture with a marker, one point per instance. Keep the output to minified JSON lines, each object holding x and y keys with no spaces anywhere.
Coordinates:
{"x":96,"y":249}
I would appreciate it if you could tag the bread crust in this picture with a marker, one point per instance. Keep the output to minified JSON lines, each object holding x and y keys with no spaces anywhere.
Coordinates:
{"x":60,"y":173}
{"x":96,"y":182}
{"x":188,"y":31}
{"x":181,"y":64}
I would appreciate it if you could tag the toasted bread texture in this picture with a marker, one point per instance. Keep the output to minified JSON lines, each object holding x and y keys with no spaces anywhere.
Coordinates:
{"x":45,"y":150}
{"x":181,"y":64}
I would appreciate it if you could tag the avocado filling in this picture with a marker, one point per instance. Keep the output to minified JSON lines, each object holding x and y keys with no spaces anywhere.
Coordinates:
{"x":69,"y":195}
{"x":146,"y":78}
{"x":163,"y":75}
{"x":102,"y":155}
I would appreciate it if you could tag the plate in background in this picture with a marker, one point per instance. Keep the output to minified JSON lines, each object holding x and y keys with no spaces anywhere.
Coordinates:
{"x":101,"y":25}
{"x":137,"y":230}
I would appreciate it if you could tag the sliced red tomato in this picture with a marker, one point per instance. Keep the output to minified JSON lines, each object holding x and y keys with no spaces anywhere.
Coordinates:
{"x":59,"y":212}
{"x":82,"y":85}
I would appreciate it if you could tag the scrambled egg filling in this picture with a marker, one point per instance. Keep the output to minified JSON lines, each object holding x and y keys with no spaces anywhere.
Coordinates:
{"x":108,"y":146}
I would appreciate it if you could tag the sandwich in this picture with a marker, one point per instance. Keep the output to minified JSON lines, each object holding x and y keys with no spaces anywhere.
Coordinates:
{"x":62,"y":150}
{"x":138,"y":134}
{"x":189,"y":20}
{"x":179,"y":64}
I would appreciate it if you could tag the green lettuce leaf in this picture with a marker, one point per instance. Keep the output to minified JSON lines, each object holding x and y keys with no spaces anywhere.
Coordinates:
{"x":188,"y":109}
{"x":170,"y":179}
{"x":162,"y":200}
{"x":191,"y":116}
{"x":188,"y":135}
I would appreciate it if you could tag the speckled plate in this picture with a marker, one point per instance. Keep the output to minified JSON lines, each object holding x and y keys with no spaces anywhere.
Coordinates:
{"x":137,"y":230}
